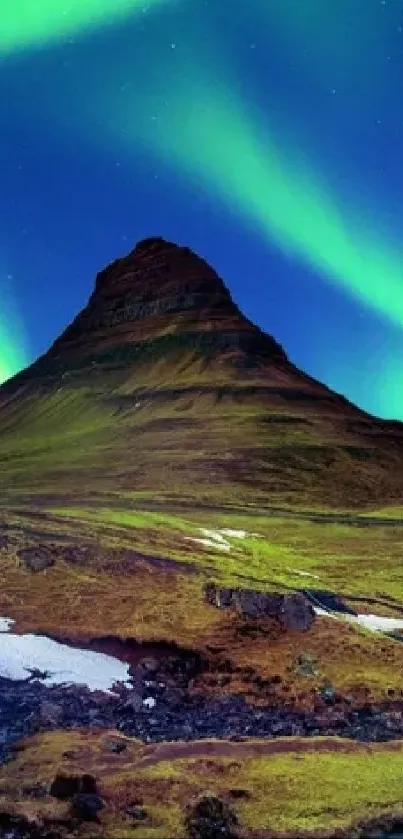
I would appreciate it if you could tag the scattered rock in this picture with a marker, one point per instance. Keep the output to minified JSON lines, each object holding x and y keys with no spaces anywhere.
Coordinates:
{"x":133,"y":702}
{"x":209,"y":818}
{"x":66,"y":786}
{"x":305,"y":665}
{"x":37,"y":558}
{"x":328,"y":692}
{"x":149,"y":665}
{"x":50,"y":713}
{"x":136,"y":812}
{"x":115,"y":745}
{"x":86,"y":806}
{"x":174,"y":697}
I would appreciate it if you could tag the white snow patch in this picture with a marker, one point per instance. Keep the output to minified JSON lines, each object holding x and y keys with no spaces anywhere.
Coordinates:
{"x":210,"y":543}
{"x":236,"y":534}
{"x":302,"y":573}
{"x":319,"y":611}
{"x":5,"y":624}
{"x":63,"y":664}
{"x":215,"y":535}
{"x":215,"y":538}
{"x":374,"y":622}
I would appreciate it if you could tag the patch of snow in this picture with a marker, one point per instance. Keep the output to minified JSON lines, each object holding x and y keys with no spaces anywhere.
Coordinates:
{"x":240,"y":534}
{"x":215,"y":535}
{"x":62,"y":664}
{"x":303,"y":573}
{"x":149,"y":702}
{"x":376,"y":622}
{"x":215,"y":538}
{"x":209,"y":543}
{"x":236,"y":534}
{"x":5,"y":624}
{"x":319,"y":611}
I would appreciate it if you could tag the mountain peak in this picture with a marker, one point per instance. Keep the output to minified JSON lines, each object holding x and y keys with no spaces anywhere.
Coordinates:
{"x":160,"y":295}
{"x":154,"y":260}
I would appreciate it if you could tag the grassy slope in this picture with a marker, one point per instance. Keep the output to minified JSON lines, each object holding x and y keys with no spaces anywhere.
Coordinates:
{"x":166,"y":601}
{"x":79,"y":460}
{"x":214,"y":437}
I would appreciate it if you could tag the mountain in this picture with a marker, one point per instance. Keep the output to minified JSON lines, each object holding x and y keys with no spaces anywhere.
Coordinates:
{"x":162,"y":386}
{"x":176,"y":494}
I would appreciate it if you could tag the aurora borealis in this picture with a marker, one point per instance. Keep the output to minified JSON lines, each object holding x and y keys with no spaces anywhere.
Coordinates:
{"x":265,"y":134}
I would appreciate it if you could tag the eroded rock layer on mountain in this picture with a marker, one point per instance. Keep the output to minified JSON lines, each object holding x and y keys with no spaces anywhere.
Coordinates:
{"x":160,"y":295}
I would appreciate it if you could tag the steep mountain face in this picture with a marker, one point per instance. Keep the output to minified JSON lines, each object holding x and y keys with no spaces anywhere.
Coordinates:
{"x":162,"y":386}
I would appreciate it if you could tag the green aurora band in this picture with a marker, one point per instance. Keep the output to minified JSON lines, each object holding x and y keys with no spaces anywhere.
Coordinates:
{"x":27,"y":23}
{"x":14,"y":355}
{"x":211,"y":137}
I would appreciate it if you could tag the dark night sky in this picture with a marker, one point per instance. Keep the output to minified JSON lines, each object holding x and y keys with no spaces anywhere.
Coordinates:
{"x":265,"y":134}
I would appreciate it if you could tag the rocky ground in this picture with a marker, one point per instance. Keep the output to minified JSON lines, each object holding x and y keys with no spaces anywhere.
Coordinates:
{"x":157,"y":706}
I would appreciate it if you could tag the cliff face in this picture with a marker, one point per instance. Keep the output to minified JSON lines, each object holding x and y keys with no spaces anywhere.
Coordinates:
{"x":160,"y":296}
{"x":162,"y":385}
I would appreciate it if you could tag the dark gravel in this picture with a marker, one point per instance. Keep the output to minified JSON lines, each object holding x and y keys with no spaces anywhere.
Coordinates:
{"x":27,"y":707}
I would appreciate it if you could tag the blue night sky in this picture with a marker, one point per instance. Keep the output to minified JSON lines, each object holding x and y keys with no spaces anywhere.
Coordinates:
{"x":267,"y":135}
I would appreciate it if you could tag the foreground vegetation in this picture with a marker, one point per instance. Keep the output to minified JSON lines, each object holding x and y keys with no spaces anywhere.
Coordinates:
{"x":287,"y":788}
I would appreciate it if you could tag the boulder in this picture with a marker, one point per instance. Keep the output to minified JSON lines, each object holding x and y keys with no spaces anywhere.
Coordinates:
{"x":257,"y":604}
{"x":293,"y":611}
{"x":85,"y":806}
{"x":136,"y":812}
{"x":219,"y":597}
{"x":210,"y":817}
{"x":36,"y":559}
{"x":66,"y":786}
{"x":115,"y":744}
{"x":297,"y":613}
